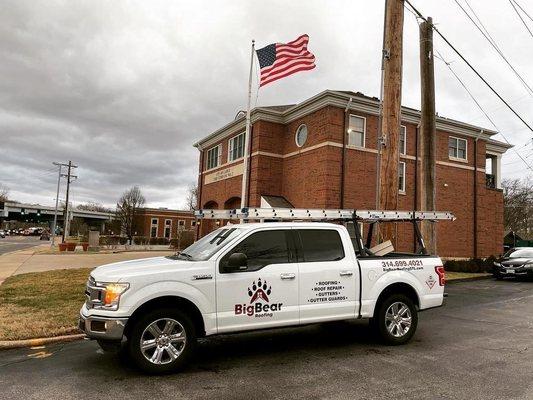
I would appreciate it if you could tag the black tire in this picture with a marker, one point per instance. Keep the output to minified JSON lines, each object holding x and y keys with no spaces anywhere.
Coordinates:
{"x":185,"y":352}
{"x":379,"y":322}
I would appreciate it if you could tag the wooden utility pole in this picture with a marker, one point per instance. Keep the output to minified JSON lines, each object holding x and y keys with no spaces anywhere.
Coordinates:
{"x":391,"y":113}
{"x":427,"y":132}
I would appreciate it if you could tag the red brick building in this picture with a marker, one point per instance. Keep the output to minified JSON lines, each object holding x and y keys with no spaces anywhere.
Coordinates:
{"x":322,"y":153}
{"x":164,"y":223}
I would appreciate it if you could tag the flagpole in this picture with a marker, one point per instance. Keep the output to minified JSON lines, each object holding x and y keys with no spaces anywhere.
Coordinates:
{"x":246,"y":162}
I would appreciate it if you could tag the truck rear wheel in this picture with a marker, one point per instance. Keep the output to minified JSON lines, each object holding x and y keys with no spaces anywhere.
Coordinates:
{"x":396,"y":319}
{"x":162,"y":341}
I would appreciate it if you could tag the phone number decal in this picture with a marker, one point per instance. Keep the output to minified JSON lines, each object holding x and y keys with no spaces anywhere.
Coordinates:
{"x":407,"y":265}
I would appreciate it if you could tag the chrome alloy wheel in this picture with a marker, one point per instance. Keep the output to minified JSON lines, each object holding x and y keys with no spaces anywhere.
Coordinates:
{"x":163,"y":341}
{"x":398,"y":319}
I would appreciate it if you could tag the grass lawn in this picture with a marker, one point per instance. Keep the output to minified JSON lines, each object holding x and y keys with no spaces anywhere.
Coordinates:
{"x":42,"y":304}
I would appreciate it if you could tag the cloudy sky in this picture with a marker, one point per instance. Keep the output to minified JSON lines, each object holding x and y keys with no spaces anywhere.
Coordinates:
{"x":124,"y":88}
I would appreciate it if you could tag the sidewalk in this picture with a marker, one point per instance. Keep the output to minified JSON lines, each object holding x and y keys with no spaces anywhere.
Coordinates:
{"x":31,"y":260}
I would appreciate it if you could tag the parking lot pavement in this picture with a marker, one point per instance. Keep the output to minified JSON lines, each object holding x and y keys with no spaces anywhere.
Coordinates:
{"x":479,"y":346}
{"x":14,"y":243}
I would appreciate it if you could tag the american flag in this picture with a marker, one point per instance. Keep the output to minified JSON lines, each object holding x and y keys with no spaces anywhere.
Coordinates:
{"x":279,"y":60}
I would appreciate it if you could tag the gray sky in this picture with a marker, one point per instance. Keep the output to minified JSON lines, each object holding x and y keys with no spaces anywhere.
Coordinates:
{"x":124,"y":88}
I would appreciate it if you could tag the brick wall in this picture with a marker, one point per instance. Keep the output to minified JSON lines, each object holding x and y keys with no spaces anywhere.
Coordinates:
{"x":310,"y":177}
{"x":143,"y":221}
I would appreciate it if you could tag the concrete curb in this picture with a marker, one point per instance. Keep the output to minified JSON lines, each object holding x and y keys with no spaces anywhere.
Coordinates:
{"x":473,"y":278}
{"x":15,"y":344}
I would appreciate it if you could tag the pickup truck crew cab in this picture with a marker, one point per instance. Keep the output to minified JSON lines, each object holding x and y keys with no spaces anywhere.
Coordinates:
{"x":260,"y":275}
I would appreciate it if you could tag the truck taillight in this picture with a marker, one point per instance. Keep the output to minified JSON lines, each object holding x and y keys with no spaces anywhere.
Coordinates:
{"x":442,"y":274}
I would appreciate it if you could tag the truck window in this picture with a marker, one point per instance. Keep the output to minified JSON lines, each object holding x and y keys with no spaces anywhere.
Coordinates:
{"x":262,"y":249}
{"x":321,"y":245}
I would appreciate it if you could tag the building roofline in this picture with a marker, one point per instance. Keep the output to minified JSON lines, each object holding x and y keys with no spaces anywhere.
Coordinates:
{"x":168,"y":210}
{"x":336,"y":98}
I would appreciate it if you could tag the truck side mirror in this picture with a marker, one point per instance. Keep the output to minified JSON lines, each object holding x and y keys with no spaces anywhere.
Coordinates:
{"x":237,"y":262}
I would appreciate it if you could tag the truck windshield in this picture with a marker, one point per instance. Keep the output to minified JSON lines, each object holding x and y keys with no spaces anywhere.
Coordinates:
{"x":204,"y":248}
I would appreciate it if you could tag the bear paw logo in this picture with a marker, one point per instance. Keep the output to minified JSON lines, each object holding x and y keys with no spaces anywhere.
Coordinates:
{"x":259,"y":291}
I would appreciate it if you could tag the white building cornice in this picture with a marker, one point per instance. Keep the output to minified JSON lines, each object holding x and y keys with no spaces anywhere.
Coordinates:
{"x":359,"y":103}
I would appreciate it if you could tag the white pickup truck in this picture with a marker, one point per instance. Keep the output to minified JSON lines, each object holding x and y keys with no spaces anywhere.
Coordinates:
{"x":253,"y":276}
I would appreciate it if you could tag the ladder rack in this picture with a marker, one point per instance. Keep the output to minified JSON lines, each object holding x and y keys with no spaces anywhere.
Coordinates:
{"x":323,"y":214}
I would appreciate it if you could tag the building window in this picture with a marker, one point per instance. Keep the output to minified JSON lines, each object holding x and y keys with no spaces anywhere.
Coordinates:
{"x":401,"y":177}
{"x":153,"y":228}
{"x":213,"y":157}
{"x":356,"y":131}
{"x":236,"y":147}
{"x":168,"y":227}
{"x":457,"y":148}
{"x":181,"y":225}
{"x":193,"y":223}
{"x":301,"y":135}
{"x":403,"y":140}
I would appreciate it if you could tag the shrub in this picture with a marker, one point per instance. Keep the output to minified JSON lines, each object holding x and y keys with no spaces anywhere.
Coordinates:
{"x":158,"y":241}
{"x":112,"y":240}
{"x":472,"y":265}
{"x":141,"y":240}
{"x":187,"y":238}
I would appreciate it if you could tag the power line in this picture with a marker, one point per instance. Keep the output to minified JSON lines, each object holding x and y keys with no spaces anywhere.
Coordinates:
{"x":520,"y":16}
{"x":486,"y":34}
{"x":523,"y":10}
{"x":439,"y":56}
{"x":472,"y":68}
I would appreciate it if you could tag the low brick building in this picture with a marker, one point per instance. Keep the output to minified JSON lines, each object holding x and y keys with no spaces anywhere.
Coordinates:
{"x":163,"y":223}
{"x":322,"y":153}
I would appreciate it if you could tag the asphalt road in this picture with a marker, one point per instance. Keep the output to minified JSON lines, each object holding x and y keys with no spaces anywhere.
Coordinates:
{"x":14,"y":243}
{"x":479,"y":346}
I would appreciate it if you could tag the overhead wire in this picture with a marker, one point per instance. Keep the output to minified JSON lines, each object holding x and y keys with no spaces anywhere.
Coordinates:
{"x":486,"y":34}
{"x":439,"y":56}
{"x":514,"y":3}
{"x":470,"y":66}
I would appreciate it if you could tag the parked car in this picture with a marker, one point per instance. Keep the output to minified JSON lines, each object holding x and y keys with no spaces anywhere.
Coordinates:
{"x":518,"y":261}
{"x":2,"y":234}
{"x":255,"y":276}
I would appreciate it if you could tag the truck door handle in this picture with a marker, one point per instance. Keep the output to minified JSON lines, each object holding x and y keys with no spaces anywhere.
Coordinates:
{"x":287,"y":276}
{"x":346,"y":273}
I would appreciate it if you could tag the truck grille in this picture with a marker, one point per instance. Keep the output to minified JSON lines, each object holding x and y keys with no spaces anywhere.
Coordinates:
{"x":93,"y":294}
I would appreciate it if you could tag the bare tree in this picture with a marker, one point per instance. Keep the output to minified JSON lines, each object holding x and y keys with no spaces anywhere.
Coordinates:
{"x":192,"y":197}
{"x":518,"y":205}
{"x":93,"y":206}
{"x":127,"y":208}
{"x":4,"y":192}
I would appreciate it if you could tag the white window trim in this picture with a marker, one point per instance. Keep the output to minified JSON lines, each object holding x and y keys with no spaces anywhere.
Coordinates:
{"x":466,"y":149}
{"x":180,"y":225}
{"x":403,"y":166}
{"x":219,"y":158}
{"x":229,"y":147}
{"x":364,"y":132}
{"x":156,"y":226}
{"x":296,"y":136}
{"x":403,"y":151}
{"x":169,"y":227}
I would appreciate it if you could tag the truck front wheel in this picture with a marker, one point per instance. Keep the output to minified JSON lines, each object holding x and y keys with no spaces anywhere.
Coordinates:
{"x":396,"y":319}
{"x":162,"y":341}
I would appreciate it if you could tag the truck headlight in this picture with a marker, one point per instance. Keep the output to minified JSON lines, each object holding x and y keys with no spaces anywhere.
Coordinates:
{"x":111,"y":294}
